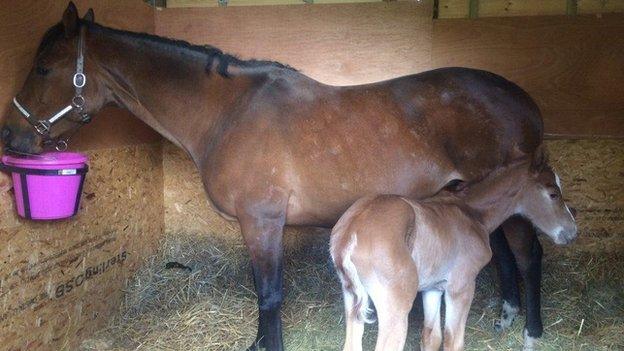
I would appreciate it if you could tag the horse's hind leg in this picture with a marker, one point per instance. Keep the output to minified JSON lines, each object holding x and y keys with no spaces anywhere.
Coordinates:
{"x":355,"y":326}
{"x":527,"y":251}
{"x":393,"y":295}
{"x":457,"y":301}
{"x":262,"y":228}
{"x":510,"y":292}
{"x":431,"y":337}
{"x":393,"y":306}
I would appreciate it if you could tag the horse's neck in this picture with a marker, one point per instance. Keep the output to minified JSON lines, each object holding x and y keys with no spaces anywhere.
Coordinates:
{"x":166,"y":87}
{"x":495,"y":198}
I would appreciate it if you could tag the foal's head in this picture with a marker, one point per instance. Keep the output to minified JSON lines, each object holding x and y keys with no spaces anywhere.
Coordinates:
{"x":542,"y":203}
{"x":49,"y":89}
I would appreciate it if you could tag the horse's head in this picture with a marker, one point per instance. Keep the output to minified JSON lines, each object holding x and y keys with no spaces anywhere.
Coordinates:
{"x":542,"y":203}
{"x":56,"y":97}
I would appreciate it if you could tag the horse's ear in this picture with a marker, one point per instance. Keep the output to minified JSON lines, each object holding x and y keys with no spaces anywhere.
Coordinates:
{"x":539,"y":160}
{"x":70,"y":20}
{"x":89,"y":16}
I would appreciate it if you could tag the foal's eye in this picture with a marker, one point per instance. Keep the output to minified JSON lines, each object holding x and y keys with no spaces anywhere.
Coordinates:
{"x":554,"y":195}
{"x":42,"y":71}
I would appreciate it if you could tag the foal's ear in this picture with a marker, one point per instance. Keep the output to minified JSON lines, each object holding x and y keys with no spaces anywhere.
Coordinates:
{"x":89,"y":16}
{"x":539,"y":160}
{"x":70,"y":20}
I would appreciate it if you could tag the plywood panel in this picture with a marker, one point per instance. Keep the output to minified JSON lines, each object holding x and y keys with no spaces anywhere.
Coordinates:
{"x":60,"y":281}
{"x":22,"y":24}
{"x":573,"y":66}
{"x":336,"y":44}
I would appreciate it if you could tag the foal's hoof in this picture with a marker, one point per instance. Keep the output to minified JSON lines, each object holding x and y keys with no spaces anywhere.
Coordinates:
{"x":530,"y":343}
{"x":508,"y":315}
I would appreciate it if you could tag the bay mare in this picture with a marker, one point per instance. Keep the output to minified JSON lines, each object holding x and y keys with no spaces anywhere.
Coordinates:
{"x":275,"y":147}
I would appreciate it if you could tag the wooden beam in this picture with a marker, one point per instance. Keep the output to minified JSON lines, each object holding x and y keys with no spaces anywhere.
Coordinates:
{"x":216,"y":3}
{"x":453,"y":8}
{"x":600,"y":6}
{"x":504,"y":8}
{"x":473,"y":9}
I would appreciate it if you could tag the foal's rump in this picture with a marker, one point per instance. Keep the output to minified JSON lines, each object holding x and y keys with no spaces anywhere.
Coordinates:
{"x":368,"y":244}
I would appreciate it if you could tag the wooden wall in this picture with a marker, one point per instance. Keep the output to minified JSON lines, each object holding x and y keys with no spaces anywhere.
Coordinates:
{"x":334,"y":43}
{"x":572,"y":66}
{"x":46,"y":300}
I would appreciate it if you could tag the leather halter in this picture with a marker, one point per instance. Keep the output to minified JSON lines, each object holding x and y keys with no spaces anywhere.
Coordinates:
{"x":79,"y":80}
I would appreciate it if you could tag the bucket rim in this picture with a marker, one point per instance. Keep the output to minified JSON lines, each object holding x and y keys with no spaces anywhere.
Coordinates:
{"x":47,"y":159}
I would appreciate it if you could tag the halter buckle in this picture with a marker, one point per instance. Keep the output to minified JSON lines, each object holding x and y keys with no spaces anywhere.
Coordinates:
{"x":61,"y":145}
{"x":42,"y":127}
{"x":80,"y":80}
{"x":78,"y":101}
{"x":86,"y":118}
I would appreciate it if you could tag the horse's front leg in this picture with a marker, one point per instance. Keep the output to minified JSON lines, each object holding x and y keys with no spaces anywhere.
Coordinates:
{"x":527,"y":251}
{"x":262,"y":227}
{"x":507,"y":268}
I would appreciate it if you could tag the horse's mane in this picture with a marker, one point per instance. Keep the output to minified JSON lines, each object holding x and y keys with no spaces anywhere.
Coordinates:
{"x":212,"y":53}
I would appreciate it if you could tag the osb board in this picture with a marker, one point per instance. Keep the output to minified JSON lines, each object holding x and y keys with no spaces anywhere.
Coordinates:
{"x":334,"y":43}
{"x":188,"y":212}
{"x":592,"y":173}
{"x":59,"y":281}
{"x":22,"y":24}
{"x":572,"y":66}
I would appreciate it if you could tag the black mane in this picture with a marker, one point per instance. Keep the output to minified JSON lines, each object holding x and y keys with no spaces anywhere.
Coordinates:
{"x":212,"y":53}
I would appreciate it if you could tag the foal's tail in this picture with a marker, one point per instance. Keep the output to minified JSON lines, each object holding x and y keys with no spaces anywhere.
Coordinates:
{"x":343,"y":242}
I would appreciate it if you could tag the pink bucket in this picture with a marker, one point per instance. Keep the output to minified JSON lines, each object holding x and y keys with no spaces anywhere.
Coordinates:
{"x":47,"y":186}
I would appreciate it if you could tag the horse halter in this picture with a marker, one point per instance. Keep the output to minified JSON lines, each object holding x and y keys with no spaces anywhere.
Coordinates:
{"x":79,"y":80}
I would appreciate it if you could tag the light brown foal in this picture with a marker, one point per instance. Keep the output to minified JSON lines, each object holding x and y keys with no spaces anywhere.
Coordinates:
{"x":387,"y":248}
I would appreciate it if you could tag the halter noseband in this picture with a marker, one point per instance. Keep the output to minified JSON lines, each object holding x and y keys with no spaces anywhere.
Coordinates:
{"x":79,"y":80}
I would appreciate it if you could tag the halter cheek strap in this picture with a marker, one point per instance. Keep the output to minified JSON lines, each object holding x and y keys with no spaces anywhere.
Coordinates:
{"x":79,"y":80}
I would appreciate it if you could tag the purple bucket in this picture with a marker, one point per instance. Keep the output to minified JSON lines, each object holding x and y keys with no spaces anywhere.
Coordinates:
{"x":47,"y":186}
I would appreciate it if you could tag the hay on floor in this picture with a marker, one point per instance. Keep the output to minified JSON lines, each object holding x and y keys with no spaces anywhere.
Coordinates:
{"x":213,"y":307}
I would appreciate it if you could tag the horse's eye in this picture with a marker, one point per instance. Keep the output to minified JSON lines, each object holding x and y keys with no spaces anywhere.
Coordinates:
{"x":42,"y":71}
{"x":554,"y":195}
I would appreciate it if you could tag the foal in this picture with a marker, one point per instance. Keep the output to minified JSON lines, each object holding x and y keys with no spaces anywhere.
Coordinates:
{"x":388,"y":248}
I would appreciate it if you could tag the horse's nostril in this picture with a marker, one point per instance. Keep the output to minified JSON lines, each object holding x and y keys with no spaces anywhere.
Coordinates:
{"x":5,"y":135}
{"x":573,"y":212}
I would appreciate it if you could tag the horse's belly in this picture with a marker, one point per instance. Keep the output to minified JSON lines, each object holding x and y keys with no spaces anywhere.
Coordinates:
{"x":320,"y":200}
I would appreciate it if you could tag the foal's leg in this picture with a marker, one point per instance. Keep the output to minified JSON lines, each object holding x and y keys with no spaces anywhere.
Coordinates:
{"x":431,"y":337}
{"x":355,"y":327}
{"x":262,"y":228}
{"x":457,"y":301}
{"x":528,"y":252}
{"x":507,"y":271}
{"x":393,"y":304}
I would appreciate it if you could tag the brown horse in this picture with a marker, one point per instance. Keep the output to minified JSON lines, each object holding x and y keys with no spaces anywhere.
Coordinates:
{"x":386,"y":248}
{"x":273,"y":146}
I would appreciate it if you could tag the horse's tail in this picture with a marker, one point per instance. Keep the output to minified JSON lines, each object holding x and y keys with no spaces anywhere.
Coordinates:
{"x":343,"y":242}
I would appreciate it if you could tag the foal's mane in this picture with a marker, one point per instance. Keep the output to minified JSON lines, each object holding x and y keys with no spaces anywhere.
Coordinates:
{"x":212,"y":53}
